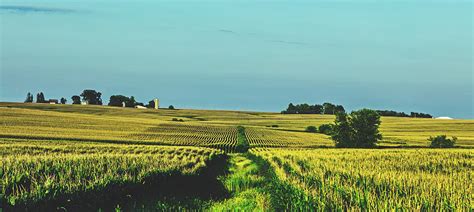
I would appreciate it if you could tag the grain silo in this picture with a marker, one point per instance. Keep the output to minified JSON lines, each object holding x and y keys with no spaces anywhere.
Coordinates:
{"x":157,"y":103}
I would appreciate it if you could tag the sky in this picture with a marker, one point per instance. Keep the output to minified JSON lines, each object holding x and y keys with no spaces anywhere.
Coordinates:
{"x":256,"y":55}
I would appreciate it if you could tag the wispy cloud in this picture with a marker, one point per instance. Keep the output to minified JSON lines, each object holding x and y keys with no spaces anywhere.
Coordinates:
{"x":227,"y":31}
{"x":31,"y":9}
{"x":289,"y":42}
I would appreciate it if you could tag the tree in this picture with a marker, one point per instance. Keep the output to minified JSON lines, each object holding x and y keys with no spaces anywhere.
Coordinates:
{"x":291,"y":109}
{"x":40,"y":98}
{"x":441,"y":141}
{"x":92,"y":97}
{"x":316,"y":109}
{"x":171,"y":107}
{"x":365,"y":124}
{"x":63,"y":100}
{"x":76,"y":100}
{"x":325,"y":129}
{"x":118,"y":100}
{"x":29,"y":98}
{"x":311,"y":129}
{"x":342,"y":131}
{"x":328,"y":108}
{"x":339,"y":109}
{"x":360,"y":129}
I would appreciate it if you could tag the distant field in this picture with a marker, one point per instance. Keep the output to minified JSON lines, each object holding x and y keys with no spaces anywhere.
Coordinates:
{"x":138,"y":126}
{"x":63,"y":155}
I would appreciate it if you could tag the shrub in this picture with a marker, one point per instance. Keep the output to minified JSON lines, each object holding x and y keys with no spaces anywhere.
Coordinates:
{"x":171,"y":107}
{"x":175,"y":119}
{"x":442,"y":141}
{"x":275,"y":126}
{"x":325,"y":129}
{"x":311,"y":129}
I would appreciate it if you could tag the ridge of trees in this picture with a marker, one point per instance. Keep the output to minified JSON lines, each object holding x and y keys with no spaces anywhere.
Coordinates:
{"x":330,"y":108}
{"x":403,"y":114}
{"x":325,"y":108}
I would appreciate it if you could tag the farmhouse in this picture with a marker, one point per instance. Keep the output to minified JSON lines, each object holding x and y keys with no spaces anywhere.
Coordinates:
{"x":53,"y":101}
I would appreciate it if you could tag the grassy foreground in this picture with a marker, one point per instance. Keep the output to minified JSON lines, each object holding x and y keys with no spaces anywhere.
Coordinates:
{"x":61,"y":156}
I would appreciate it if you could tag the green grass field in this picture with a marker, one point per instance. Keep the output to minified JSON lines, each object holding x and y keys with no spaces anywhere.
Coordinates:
{"x":91,"y":157}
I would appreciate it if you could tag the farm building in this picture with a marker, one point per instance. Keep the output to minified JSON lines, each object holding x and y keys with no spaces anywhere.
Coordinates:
{"x":444,"y":117}
{"x":157,"y":103}
{"x":140,"y":107}
{"x":53,"y":101}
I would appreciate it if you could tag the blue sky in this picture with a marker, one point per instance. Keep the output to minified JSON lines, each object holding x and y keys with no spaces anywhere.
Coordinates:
{"x":244,"y":55}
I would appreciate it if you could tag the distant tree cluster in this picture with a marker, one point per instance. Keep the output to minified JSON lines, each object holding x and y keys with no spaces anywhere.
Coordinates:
{"x":29,"y":98}
{"x":120,"y":100}
{"x":420,"y":115}
{"x":326,"y":108}
{"x":92,"y":97}
{"x":359,"y":129}
{"x":41,"y":99}
{"x":402,"y":114}
{"x":76,"y":100}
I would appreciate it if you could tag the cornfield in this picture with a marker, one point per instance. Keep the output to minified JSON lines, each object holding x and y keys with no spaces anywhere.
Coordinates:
{"x":378,"y":179}
{"x":67,"y":152}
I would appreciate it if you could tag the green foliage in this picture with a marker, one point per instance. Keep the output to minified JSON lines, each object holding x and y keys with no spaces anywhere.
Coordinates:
{"x":242,"y":143}
{"x":29,"y":98}
{"x":365,"y":125}
{"x":441,"y":141}
{"x":329,"y":108}
{"x":360,"y":129}
{"x":311,"y":129}
{"x":76,"y":100}
{"x":40,"y":98}
{"x":92,"y":97}
{"x":325,"y":129}
{"x":63,"y":100}
{"x":171,"y":107}
{"x":176,"y":119}
{"x":342,"y":131}
{"x":118,"y":100}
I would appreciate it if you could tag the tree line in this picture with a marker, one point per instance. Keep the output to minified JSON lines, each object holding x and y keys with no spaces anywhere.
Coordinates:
{"x":403,"y":114}
{"x":325,"y":108}
{"x":331,"y":109}
{"x":93,"y":97}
